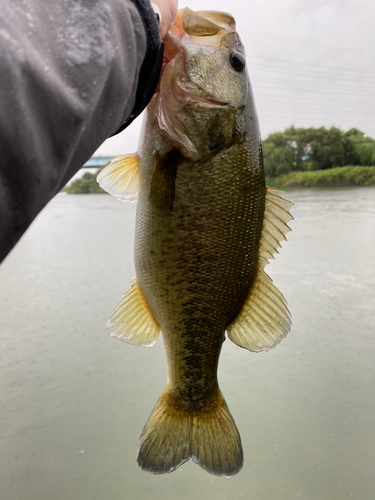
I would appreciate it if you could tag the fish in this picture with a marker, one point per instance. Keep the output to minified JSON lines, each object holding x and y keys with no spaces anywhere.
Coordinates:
{"x":206,"y":226}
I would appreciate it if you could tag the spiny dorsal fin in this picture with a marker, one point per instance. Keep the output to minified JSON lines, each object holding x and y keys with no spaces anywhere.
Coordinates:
{"x":132,"y":321}
{"x":265,"y":318}
{"x":275,"y":227}
{"x":120,"y":177}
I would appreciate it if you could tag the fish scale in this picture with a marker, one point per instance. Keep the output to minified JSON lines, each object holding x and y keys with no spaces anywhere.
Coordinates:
{"x":206,"y":226}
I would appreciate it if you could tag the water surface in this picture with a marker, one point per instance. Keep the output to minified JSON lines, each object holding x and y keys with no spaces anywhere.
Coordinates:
{"x":73,"y":401}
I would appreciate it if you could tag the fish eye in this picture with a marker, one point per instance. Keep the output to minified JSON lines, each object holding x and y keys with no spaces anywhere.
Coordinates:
{"x":237,"y":61}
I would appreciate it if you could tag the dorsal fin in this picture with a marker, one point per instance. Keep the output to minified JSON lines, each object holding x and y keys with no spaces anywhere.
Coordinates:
{"x":120,"y":177}
{"x":275,"y":227}
{"x":265,"y":318}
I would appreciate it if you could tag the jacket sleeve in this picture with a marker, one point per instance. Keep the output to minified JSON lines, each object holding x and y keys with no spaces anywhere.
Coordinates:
{"x":72,"y":73}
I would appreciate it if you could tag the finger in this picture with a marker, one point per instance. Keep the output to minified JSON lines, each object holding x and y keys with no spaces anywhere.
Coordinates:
{"x":167,"y":10}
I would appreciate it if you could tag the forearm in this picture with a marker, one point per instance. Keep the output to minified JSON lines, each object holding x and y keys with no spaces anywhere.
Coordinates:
{"x":69,"y":74}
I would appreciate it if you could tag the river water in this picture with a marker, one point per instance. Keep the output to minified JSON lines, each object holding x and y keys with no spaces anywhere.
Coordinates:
{"x":73,"y":401}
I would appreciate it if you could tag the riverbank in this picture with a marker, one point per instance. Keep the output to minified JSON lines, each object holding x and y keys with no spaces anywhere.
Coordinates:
{"x":85,"y":185}
{"x":333,"y":177}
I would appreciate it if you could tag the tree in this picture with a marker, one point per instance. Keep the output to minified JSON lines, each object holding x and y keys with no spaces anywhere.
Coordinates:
{"x":278,"y":157}
{"x":329,"y":148}
{"x":86,"y":184}
{"x":298,"y":149}
{"x":364,"y":147}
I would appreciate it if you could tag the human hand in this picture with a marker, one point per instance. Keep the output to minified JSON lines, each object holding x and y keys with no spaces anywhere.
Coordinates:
{"x":168,"y":10}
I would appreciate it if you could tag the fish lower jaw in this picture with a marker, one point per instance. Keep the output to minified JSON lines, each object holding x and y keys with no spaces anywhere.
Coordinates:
{"x":189,"y":91}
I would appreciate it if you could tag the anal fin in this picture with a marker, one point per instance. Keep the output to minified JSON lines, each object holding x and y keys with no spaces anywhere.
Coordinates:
{"x":132,"y":321}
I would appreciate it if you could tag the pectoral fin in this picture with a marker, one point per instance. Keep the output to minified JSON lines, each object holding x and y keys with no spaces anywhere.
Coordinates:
{"x":265,"y":318}
{"x":132,"y":321}
{"x":162,"y":189}
{"x":120,"y":177}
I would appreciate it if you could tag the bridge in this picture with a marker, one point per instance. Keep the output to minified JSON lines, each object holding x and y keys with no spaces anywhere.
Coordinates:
{"x":97,"y":161}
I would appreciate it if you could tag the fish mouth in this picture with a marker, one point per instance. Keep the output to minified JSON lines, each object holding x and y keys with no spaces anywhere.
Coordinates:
{"x":175,"y":51}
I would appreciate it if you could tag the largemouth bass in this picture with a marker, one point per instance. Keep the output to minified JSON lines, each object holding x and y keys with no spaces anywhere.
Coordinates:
{"x":206,"y":226}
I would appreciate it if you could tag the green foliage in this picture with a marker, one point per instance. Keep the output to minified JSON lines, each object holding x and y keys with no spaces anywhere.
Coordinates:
{"x":334,"y":177}
{"x":311,"y":149}
{"x":86,"y":184}
{"x":277,"y":159}
{"x":364,"y":147}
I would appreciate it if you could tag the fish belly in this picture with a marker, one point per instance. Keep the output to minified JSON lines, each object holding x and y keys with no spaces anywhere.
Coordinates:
{"x":196,"y":262}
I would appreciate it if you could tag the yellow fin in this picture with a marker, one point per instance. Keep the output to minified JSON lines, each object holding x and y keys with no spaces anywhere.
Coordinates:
{"x":132,"y":321}
{"x":265,"y":318}
{"x":275,"y":227}
{"x":120,"y":177}
{"x":173,"y":434}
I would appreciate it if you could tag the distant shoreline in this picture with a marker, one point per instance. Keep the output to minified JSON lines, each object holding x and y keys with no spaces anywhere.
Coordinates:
{"x":350,"y":176}
{"x":333,"y":177}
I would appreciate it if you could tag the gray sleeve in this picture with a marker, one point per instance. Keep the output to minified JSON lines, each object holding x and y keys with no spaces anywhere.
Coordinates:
{"x":69,"y":76}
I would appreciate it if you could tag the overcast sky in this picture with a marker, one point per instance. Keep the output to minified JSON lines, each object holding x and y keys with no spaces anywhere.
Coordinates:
{"x":311,"y":63}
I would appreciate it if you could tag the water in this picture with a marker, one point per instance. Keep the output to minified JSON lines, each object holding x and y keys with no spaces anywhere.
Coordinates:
{"x":73,"y":401}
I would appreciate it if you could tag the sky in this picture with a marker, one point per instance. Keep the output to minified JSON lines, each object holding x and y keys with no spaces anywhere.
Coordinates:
{"x":311,"y":64}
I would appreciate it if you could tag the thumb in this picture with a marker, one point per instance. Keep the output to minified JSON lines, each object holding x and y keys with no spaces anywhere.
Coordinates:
{"x":167,"y":10}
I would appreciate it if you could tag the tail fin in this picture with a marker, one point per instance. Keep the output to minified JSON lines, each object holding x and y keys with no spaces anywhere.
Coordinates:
{"x":172,"y":435}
